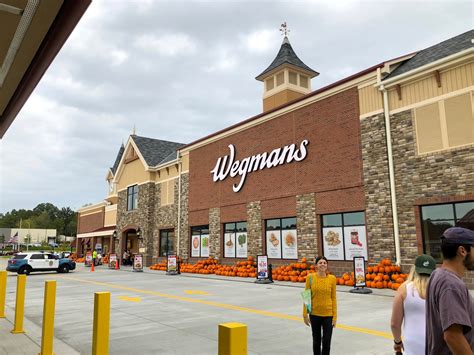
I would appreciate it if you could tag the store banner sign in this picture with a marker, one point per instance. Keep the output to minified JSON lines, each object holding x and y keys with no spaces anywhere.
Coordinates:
{"x":289,"y":244}
{"x":355,"y":242}
{"x":227,"y":165}
{"x":195,"y":246}
{"x":172,"y":263}
{"x":359,"y":271}
{"x":138,"y":262}
{"x":262,"y":267}
{"x":241,"y":245}
{"x":112,"y":261}
{"x":205,"y":245}
{"x":229,"y":245}
{"x":274,"y":244}
{"x":333,"y":245}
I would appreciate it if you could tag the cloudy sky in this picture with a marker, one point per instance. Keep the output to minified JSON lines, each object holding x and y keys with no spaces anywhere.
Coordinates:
{"x":179,"y":70}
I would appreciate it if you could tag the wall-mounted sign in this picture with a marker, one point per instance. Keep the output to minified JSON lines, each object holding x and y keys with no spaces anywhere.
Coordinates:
{"x":226,"y":165}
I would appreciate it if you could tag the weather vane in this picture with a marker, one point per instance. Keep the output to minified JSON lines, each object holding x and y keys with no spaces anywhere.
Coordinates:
{"x":284,"y":30}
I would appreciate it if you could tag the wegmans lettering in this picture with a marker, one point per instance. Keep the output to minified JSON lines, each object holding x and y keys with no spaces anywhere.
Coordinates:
{"x":226,"y":165}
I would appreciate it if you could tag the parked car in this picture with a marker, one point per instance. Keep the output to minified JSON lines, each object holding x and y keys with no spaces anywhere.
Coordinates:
{"x":24,"y":263}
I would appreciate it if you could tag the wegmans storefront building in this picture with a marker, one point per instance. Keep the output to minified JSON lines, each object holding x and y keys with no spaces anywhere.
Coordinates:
{"x":377,"y":164}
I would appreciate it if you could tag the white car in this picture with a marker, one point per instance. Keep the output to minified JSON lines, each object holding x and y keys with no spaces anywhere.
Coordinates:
{"x":24,"y":263}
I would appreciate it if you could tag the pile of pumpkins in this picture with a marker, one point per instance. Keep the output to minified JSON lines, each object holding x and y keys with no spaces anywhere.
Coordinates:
{"x":295,"y":272}
{"x":383,"y":275}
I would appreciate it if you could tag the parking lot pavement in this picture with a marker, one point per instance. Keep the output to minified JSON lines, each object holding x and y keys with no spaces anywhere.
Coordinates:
{"x":154,"y":313}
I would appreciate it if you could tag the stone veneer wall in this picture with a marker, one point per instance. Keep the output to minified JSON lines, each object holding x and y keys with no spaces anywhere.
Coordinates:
{"x":215,"y":232}
{"x":306,"y":225}
{"x":254,"y":228}
{"x":184,"y":225}
{"x":142,"y":217}
{"x":378,"y":212}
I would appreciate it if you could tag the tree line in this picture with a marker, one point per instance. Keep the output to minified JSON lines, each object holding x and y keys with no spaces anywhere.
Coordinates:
{"x":43,"y":216}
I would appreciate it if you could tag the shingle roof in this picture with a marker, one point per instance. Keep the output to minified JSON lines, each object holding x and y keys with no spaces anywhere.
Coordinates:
{"x":287,"y":55}
{"x":117,"y":159}
{"x":156,"y":151}
{"x":436,"y":52}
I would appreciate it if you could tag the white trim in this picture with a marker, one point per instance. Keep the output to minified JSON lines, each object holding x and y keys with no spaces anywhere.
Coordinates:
{"x":184,"y":171}
{"x":91,"y":207}
{"x":162,"y":166}
{"x":432,"y":100}
{"x":110,"y":208}
{"x":136,"y":183}
{"x":96,"y":234}
{"x":369,"y":114}
{"x":165,"y":180}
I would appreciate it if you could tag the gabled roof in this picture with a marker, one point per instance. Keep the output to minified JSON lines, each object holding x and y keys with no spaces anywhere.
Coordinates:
{"x":287,"y":55}
{"x":117,"y":159}
{"x":156,"y":151}
{"x":436,"y":52}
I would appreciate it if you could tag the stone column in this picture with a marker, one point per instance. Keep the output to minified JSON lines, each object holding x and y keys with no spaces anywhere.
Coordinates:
{"x":254,"y":228}
{"x":306,"y":226}
{"x":215,"y":232}
{"x":184,"y":225}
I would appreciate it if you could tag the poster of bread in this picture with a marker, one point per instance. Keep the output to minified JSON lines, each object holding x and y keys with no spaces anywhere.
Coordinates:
{"x":333,"y":243}
{"x":274,"y":244}
{"x":289,"y":244}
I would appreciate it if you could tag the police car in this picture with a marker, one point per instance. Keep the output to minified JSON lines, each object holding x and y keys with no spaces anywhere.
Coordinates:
{"x":24,"y":263}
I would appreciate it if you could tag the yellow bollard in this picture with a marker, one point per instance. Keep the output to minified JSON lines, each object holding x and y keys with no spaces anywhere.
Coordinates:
{"x":232,"y":339}
{"x":48,"y":318}
{"x":20,"y":304}
{"x":3,"y":292}
{"x":101,"y":328}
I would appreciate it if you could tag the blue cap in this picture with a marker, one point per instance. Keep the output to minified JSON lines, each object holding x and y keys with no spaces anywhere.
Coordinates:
{"x":458,"y":235}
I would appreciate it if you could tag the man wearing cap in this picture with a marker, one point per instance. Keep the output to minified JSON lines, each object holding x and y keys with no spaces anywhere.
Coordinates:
{"x":449,"y":306}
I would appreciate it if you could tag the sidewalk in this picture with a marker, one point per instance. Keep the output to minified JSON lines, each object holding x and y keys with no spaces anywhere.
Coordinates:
{"x":27,"y":343}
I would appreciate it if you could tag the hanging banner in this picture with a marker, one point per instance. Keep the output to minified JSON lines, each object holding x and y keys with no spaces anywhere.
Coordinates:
{"x":172,"y":263}
{"x":262,"y":267}
{"x":112,"y":261}
{"x":195,"y":246}
{"x":205,"y":245}
{"x":274,"y":244}
{"x":241,"y":245}
{"x":359,"y":271}
{"x":333,"y":243}
{"x":355,"y":242}
{"x":138,"y":262}
{"x":289,"y":244}
{"x":229,"y":245}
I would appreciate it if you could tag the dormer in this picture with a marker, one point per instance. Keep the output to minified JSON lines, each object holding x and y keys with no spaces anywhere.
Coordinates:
{"x":286,"y":79}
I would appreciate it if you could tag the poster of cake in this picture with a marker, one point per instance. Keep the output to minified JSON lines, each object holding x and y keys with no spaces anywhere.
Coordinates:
{"x":333,"y":245}
{"x":205,"y":245}
{"x":274,"y":244}
{"x":289,"y":244}
{"x":229,"y":245}
{"x":195,"y":245}
{"x":355,"y":242}
{"x":241,"y":246}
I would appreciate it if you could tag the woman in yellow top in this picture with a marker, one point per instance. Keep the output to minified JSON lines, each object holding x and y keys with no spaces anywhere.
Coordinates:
{"x":323,"y":306}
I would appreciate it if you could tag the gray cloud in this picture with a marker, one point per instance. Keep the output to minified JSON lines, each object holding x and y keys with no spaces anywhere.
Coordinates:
{"x":179,"y":70}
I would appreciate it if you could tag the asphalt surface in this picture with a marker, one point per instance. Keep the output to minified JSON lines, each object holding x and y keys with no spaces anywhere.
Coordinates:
{"x":153,"y":313}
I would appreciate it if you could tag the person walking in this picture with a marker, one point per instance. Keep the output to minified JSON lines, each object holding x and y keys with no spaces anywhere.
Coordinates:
{"x":449,"y":306}
{"x":94,"y":257}
{"x":323,"y":313}
{"x":409,"y":308}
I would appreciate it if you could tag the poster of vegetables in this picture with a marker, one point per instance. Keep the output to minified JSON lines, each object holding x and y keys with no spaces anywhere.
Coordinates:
{"x":195,"y":245}
{"x":289,"y":244}
{"x":205,"y":245}
{"x":333,"y":245}
{"x":274,"y":244}
{"x":241,"y":245}
{"x":229,"y":245}
{"x":355,"y":242}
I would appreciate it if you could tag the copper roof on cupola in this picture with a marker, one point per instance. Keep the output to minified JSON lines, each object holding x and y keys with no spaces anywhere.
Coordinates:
{"x":287,"y":55}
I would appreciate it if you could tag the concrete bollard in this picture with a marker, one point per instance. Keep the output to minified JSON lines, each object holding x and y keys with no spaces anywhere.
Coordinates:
{"x":20,"y":304}
{"x":232,"y":339}
{"x":3,"y":293}
{"x":101,"y":328}
{"x":48,"y":318}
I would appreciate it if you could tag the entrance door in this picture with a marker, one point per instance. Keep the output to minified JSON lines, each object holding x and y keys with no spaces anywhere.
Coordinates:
{"x":166,"y":241}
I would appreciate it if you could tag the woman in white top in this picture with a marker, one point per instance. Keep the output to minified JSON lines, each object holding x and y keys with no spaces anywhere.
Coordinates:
{"x":409,"y":308}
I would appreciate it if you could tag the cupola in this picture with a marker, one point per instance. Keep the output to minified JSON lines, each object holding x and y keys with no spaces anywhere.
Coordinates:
{"x":287,"y":78}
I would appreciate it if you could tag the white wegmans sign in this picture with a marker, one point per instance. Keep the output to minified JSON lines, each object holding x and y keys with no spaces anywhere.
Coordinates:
{"x":227,"y":166}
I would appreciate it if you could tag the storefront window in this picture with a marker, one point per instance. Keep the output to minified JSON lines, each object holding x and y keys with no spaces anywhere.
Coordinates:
{"x":166,"y":242}
{"x":281,"y":238}
{"x":344,"y":235}
{"x":200,"y":241}
{"x":436,"y":219}
{"x":235,"y":240}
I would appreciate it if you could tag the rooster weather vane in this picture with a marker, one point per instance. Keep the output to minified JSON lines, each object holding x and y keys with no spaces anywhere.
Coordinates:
{"x":284,"y":30}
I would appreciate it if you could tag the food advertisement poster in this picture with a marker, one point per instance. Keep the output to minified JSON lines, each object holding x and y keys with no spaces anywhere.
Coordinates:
{"x":359,"y":271}
{"x":88,"y":261}
{"x":355,"y":242}
{"x":289,"y":243}
{"x":195,"y":245}
{"x":112,"y":261}
{"x":262,"y":267}
{"x":205,"y":245}
{"x":274,"y":244}
{"x":241,"y":245}
{"x":138,"y":262}
{"x":172,"y":265}
{"x":332,"y":243}
{"x":229,"y":245}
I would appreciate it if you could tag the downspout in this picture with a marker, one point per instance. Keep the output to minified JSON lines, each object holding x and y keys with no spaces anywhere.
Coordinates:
{"x":179,"y":204}
{"x":391,"y":172}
